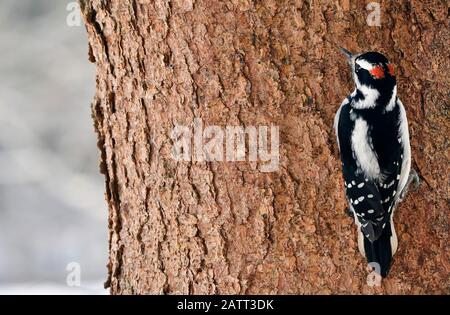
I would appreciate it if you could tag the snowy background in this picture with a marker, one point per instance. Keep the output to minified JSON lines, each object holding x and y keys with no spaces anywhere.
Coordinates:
{"x":52,"y":209}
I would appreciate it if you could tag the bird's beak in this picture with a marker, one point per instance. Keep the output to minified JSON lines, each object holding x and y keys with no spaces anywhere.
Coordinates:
{"x":349,"y":56}
{"x":346,"y":53}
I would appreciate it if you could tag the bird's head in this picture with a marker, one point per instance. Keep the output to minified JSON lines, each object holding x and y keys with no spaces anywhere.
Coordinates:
{"x":371,"y":69}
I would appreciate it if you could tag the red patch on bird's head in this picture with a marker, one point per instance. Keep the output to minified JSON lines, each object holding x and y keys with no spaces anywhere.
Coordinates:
{"x":391,"y":69}
{"x":377,"y":72}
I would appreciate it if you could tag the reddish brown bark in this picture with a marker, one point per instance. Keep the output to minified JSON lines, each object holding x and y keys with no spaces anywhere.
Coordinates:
{"x":221,"y":227}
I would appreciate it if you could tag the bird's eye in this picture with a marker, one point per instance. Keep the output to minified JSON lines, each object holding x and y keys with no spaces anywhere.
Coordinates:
{"x":357,"y":67}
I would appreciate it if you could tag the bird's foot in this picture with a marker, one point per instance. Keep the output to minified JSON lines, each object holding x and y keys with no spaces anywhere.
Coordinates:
{"x":349,"y":212}
{"x":412,"y":178}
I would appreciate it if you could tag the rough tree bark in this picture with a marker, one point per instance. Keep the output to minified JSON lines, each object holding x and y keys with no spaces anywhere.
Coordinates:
{"x":221,"y":227}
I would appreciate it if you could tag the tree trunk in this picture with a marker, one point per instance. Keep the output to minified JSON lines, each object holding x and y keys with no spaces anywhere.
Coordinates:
{"x":210,"y":227}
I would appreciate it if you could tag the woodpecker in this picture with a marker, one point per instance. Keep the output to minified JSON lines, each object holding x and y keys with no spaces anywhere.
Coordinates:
{"x":373,"y":140}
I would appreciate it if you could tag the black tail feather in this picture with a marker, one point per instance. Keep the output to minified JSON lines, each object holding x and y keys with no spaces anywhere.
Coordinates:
{"x":379,"y":252}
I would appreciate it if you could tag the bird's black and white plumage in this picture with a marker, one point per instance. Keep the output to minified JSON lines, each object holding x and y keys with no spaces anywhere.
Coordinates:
{"x":373,"y":140}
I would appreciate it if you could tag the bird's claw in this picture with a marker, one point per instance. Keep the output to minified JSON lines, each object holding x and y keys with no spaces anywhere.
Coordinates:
{"x":349,"y":212}
{"x":412,"y":178}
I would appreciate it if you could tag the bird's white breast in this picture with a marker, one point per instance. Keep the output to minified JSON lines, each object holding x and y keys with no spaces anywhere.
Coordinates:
{"x":364,"y":154}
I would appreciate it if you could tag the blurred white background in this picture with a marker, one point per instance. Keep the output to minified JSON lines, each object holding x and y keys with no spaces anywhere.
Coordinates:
{"x":52,"y":209}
